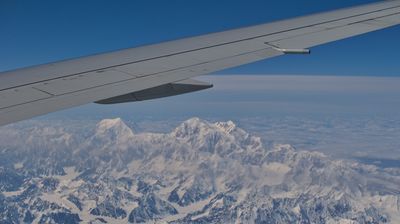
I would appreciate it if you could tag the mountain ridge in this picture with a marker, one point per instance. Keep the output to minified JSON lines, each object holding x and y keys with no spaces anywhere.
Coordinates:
{"x":200,"y":172}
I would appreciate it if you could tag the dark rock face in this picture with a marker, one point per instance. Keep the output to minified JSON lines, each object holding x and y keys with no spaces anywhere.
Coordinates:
{"x":75,"y":200}
{"x":109,"y":210}
{"x":151,"y":208}
{"x":8,"y":211}
{"x":29,"y":217}
{"x":10,"y":180}
{"x":60,"y":218}
{"x":49,"y":184}
{"x":173,"y":196}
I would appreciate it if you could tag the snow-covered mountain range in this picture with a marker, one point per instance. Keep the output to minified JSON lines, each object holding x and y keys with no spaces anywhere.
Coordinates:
{"x":200,"y":172}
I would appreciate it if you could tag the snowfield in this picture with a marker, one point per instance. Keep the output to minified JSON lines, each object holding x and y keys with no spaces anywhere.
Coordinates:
{"x":200,"y":172}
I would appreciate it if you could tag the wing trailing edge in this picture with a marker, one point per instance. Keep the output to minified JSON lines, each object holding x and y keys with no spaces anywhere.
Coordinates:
{"x":170,"y":89}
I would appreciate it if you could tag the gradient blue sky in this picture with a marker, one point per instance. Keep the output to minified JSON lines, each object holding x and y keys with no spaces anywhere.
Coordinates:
{"x":329,"y":113}
{"x":36,"y":32}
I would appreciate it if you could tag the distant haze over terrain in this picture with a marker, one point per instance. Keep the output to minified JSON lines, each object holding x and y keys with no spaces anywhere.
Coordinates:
{"x":340,"y":116}
{"x":268,"y":95}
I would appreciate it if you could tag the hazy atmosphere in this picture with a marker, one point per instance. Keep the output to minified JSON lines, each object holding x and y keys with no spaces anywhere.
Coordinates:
{"x":341,"y":116}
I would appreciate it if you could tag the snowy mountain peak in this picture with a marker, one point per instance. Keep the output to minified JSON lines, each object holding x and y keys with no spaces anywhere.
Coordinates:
{"x":197,"y":126}
{"x":194,"y":122}
{"x":227,"y":127}
{"x":113,"y":127}
{"x":108,"y":123}
{"x":193,"y":126}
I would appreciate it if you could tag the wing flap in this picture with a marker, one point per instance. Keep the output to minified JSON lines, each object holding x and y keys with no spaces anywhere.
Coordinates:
{"x":170,"y":89}
{"x":19,"y":96}
{"x":81,"y":82}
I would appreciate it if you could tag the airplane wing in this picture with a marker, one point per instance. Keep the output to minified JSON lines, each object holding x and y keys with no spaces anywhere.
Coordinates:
{"x":166,"y":69}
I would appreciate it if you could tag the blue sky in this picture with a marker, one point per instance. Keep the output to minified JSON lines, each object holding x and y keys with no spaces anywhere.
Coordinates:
{"x":36,"y":32}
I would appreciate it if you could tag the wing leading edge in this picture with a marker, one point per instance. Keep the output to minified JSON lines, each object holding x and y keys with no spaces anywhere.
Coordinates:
{"x":156,"y":69}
